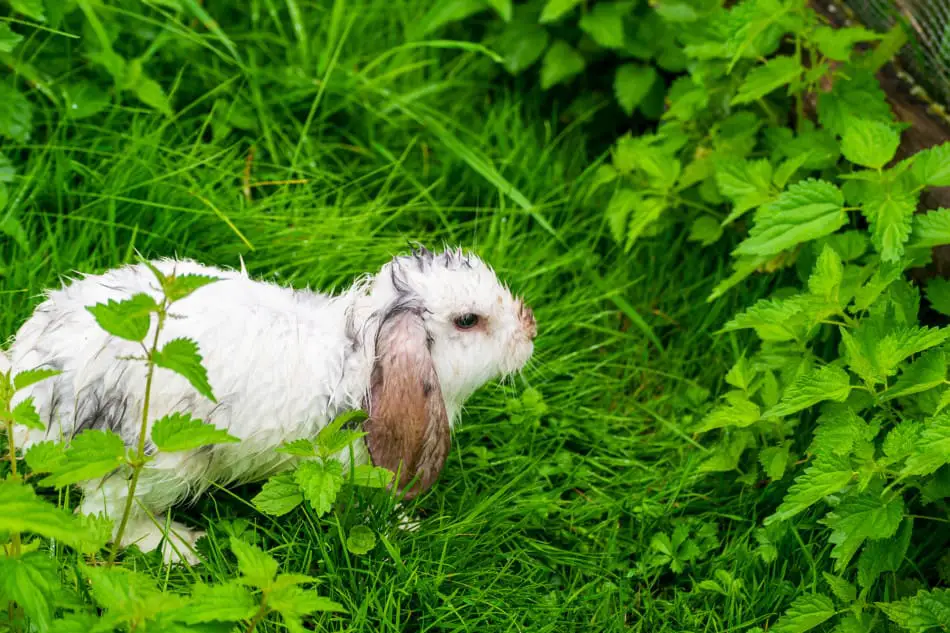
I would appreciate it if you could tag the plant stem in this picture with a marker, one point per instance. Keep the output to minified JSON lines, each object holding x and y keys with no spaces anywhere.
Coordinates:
{"x":261,"y":612}
{"x":139,"y":460}
{"x":15,"y":536}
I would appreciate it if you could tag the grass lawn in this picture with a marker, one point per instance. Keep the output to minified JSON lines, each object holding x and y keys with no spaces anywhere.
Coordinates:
{"x":314,"y":142}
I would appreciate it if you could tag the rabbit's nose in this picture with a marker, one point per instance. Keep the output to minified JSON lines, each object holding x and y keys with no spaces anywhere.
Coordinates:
{"x":528,"y":323}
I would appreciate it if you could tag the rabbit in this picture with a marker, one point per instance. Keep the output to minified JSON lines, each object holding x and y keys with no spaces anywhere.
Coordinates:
{"x":408,"y":345}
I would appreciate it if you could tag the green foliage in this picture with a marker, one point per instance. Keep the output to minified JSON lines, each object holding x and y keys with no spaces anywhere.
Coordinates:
{"x":181,"y":432}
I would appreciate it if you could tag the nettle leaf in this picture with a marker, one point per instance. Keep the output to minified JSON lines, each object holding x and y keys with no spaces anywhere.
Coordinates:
{"x":836,"y":44}
{"x":826,"y":476}
{"x":901,"y":441}
{"x":774,"y":460}
{"x":632,"y":82}
{"x":181,"y":356}
{"x":7,"y":171}
{"x":32,"y":581}
{"x":870,"y":144}
{"x":257,"y":568}
{"x":706,"y":230}
{"x":45,"y":457}
{"x":294,"y":603}
{"x":841,"y":588}
{"x":450,"y":11}
{"x":32,"y":376}
{"x":555,"y":9}
{"x":747,"y":183}
{"x":923,"y":612}
{"x":932,"y":166}
{"x":857,"y":96}
{"x":839,"y":429}
{"x":859,"y":517}
{"x":25,"y":414}
{"x":741,"y":374}
{"x":903,"y":343}
{"x":8,"y":39}
{"x":361,"y":540}
{"x":21,"y":510}
{"x":16,"y":114}
{"x":279,"y":495}
{"x":884,"y":555}
{"x":938,"y":294}
{"x":807,"y":211}
{"x":773,"y":320}
{"x":779,"y":71}
{"x":818,"y":385}
{"x":91,"y":454}
{"x":218,"y":603}
{"x":932,"y":228}
{"x":927,"y":372}
{"x":621,"y":204}
{"x":891,"y":220}
{"x":30,"y":8}
{"x":560,"y":64}
{"x":804,"y":614}
{"x":739,"y":411}
{"x":177,"y":287}
{"x":850,"y":245}
{"x":825,"y":280}
{"x":84,"y":100}
{"x":129,"y":596}
{"x":521,"y":45}
{"x":180,"y":432}
{"x":320,"y":483}
{"x":372,"y":476}
{"x":645,"y":214}
{"x":128,"y":319}
{"x":502,"y":7}
{"x":933,"y":447}
{"x":604,"y":23}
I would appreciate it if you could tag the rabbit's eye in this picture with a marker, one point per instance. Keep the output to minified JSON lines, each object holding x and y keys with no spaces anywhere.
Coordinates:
{"x":466,"y":321}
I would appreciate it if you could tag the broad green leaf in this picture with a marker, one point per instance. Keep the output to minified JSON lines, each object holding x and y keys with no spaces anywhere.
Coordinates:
{"x":449,"y":11}
{"x":804,"y":614}
{"x":128,"y":595}
{"x":554,"y":9}
{"x":825,"y":279}
{"x":836,"y":43}
{"x":320,"y":483}
{"x":560,"y":64}
{"x":632,"y":82}
{"x":825,"y":383}
{"x":181,"y":356}
{"x":773,"y":320}
{"x":859,"y":517}
{"x":90,"y":455}
{"x":932,"y":166}
{"x":150,"y":93}
{"x":30,"y":377}
{"x":361,"y":540}
{"x":45,"y":457}
{"x":850,"y":245}
{"x":885,"y":555}
{"x":738,"y":412}
{"x":933,"y":447}
{"x":747,"y":183}
{"x":645,"y":214}
{"x":891,"y":220}
{"x":521,"y":45}
{"x":370,"y":476}
{"x":301,"y":448}
{"x":84,"y":99}
{"x":843,"y":590}
{"x":774,"y":460}
{"x":927,"y":372}
{"x":257,"y":568}
{"x":218,"y":603}
{"x":932,"y":228}
{"x":16,"y":114}
{"x":22,"y":511}
{"x":741,"y":374}
{"x":30,"y":8}
{"x":279,"y":495}
{"x":621,"y":204}
{"x":177,"y":287}
{"x":8,"y":39}
{"x":339,"y":441}
{"x":806,"y":211}
{"x":826,"y":476}
{"x":903,"y":343}
{"x":839,"y":429}
{"x":870,"y":143}
{"x":31,"y":581}
{"x":128,"y":319}
{"x":294,"y":603}
{"x":604,"y":23}
{"x":926,"y":611}
{"x":181,"y":432}
{"x":706,"y":230}
{"x":502,"y":7}
{"x":901,"y":441}
{"x":938,"y":294}
{"x":7,"y":171}
{"x":25,"y":414}
{"x":859,"y":96}
{"x":775,"y":73}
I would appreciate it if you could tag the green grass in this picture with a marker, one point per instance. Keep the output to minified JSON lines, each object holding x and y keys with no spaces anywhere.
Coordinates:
{"x":548,"y":514}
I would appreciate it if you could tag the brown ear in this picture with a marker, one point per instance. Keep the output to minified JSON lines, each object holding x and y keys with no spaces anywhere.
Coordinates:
{"x":408,"y":428}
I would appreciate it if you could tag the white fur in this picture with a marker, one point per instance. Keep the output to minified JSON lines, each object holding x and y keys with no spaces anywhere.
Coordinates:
{"x":280,"y":362}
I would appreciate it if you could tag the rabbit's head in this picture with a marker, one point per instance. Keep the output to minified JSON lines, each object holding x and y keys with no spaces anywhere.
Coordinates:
{"x":444,"y":325}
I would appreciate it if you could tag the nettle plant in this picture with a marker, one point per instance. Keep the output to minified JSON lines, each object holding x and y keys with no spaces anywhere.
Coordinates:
{"x":845,"y":364}
{"x":41,"y":595}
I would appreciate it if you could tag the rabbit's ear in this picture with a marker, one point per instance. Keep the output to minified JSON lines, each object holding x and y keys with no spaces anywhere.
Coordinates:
{"x":408,"y":428}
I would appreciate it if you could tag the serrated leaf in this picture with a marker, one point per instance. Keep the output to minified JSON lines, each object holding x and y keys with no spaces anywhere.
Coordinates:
{"x":804,"y":614}
{"x":884,"y":555}
{"x":903,"y":343}
{"x":361,"y":540}
{"x":836,"y":43}
{"x":554,"y":9}
{"x":502,"y":7}
{"x":128,"y":595}
{"x":16,"y":114}
{"x":84,"y":99}
{"x":178,"y":287}
{"x":621,"y":204}
{"x":45,"y":457}
{"x":278,"y":496}
{"x":932,"y":166}
{"x":372,"y":476}
{"x":859,"y":517}
{"x":741,"y":374}
{"x":932,"y":228}
{"x":218,"y":603}
{"x":739,"y":412}
{"x":150,"y":93}
{"x":181,"y":432}
{"x":839,"y":429}
{"x":938,"y":294}
{"x":927,"y":372}
{"x":604,"y":23}
{"x":825,"y":383}
{"x":8,"y":39}
{"x":859,"y":96}
{"x":645,"y":214}
{"x":775,"y":73}
{"x":560,"y":63}
{"x":901,"y":441}
{"x":772,"y":320}
{"x":25,"y":414}
{"x":826,"y":476}
{"x":632,"y":82}
{"x":181,"y":356}
{"x":22,"y":511}
{"x":933,"y":447}
{"x":31,"y":8}
{"x":825,"y":279}
{"x":747,"y":183}
{"x":870,"y":143}
{"x":293,"y":603}
{"x":128,"y":319}
{"x":257,"y":568}
{"x":31,"y":581}
{"x":806,"y":211}
{"x":91,"y":454}
{"x":30,"y":377}
{"x":320,"y":482}
{"x":706,"y":230}
{"x":300,"y":448}
{"x":925,"y":611}
{"x":841,"y":588}
{"x":774,"y":460}
{"x":450,"y":11}
{"x":850,"y":245}
{"x":521,"y":45}
{"x":890,"y":217}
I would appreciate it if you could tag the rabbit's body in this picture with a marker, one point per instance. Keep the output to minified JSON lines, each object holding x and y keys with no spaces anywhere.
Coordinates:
{"x":282,"y":363}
